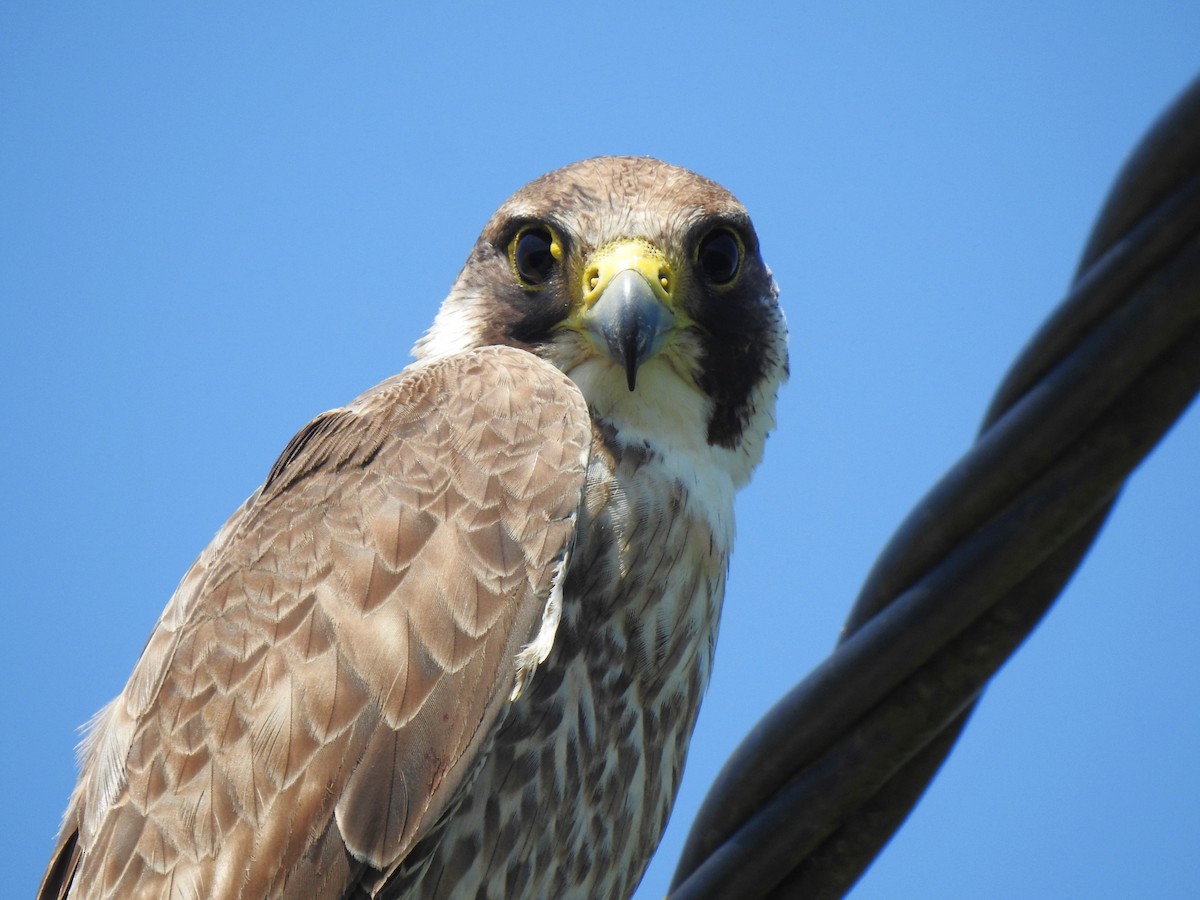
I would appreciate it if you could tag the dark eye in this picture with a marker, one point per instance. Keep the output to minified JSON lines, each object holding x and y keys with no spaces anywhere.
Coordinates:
{"x":720,"y":256}
{"x":533,"y":255}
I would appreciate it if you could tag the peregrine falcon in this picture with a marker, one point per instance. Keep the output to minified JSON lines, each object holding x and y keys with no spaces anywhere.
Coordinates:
{"x":456,"y":643}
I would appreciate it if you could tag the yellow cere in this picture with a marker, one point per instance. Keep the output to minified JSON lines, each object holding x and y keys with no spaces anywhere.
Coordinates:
{"x":638,"y":254}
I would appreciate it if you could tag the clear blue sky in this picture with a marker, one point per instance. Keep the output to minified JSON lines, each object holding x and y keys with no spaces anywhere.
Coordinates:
{"x":214,"y":225}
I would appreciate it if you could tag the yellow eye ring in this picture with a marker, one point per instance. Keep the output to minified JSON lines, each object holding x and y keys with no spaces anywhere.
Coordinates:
{"x":534,"y":253}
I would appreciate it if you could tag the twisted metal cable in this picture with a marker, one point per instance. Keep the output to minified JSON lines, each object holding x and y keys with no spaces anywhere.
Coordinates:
{"x":826,"y":777}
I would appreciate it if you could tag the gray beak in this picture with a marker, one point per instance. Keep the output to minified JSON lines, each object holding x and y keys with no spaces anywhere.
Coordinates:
{"x":629,"y":323}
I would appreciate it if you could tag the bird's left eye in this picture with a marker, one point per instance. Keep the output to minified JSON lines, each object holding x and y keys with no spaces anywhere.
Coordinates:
{"x":534,"y":253}
{"x":719,"y":256}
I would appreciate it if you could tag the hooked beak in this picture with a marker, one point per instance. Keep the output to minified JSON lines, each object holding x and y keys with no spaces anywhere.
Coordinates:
{"x":628,"y":292}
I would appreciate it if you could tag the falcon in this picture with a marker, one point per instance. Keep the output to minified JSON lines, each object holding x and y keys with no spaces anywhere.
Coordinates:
{"x":456,"y":643}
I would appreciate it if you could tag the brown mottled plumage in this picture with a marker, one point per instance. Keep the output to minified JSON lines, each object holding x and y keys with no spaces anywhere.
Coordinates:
{"x":456,"y":644}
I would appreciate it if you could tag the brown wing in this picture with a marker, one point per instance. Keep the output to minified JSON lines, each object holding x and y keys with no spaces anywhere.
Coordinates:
{"x":323,"y":678}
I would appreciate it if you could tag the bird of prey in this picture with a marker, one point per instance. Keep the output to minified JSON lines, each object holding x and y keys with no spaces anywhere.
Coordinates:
{"x":456,"y":643}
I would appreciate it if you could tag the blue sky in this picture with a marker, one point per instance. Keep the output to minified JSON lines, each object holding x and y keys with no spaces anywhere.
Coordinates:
{"x":214,"y":226}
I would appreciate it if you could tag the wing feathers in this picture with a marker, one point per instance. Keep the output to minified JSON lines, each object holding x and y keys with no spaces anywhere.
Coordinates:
{"x":321,"y":682}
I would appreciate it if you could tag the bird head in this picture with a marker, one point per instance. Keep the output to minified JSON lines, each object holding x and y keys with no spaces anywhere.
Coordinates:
{"x":643,"y":282}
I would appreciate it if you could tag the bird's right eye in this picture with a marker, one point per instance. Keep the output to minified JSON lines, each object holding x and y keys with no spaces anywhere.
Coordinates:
{"x":534,"y":253}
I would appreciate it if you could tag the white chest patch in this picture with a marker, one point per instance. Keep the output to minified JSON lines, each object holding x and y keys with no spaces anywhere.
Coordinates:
{"x":670,"y":417}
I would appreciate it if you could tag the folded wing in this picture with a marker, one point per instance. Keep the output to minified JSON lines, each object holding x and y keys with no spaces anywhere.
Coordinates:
{"x":328,"y":670}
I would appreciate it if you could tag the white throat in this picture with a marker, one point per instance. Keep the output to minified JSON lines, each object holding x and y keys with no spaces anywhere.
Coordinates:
{"x":671,"y":418}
